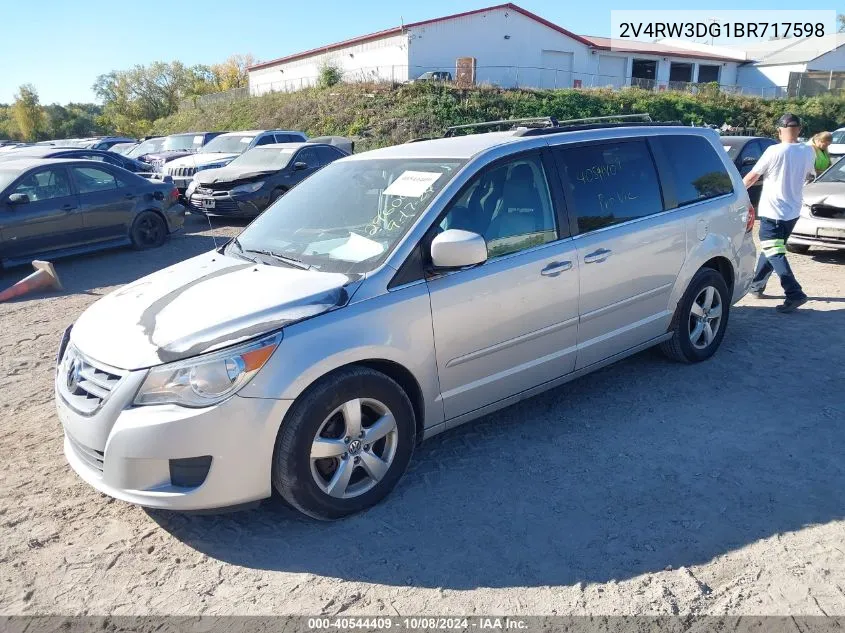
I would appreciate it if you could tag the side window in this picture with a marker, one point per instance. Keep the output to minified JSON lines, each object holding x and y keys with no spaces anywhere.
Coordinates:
{"x":45,"y":185}
{"x":267,"y":139}
{"x":697,"y":169}
{"x":86,"y":156}
{"x":611,"y":183}
{"x":751,"y":150}
{"x":509,"y":205}
{"x":283,"y":138}
{"x":93,"y":180}
{"x":309,"y":157}
{"x":328,"y":154}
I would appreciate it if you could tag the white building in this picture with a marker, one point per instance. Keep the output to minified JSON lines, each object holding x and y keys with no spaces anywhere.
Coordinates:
{"x":506,"y":46}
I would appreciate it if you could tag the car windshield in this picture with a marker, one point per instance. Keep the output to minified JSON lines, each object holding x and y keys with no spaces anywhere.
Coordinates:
{"x":835,"y":173}
{"x":182,"y":142}
{"x":150,"y":146}
{"x":350,"y":215}
{"x":839,"y":137}
{"x":228,"y":145}
{"x":264,"y":158}
{"x":6,"y":177}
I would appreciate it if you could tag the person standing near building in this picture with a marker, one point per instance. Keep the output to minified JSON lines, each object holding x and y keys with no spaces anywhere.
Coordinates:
{"x":820,"y":142}
{"x":785,"y":168}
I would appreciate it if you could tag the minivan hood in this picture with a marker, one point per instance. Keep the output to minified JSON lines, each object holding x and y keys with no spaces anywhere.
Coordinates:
{"x":202,"y":158}
{"x":199,"y":305}
{"x":830,"y":193}
{"x":230,"y":173}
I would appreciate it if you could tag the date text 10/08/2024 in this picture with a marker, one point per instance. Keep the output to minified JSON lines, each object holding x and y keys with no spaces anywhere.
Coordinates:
{"x":420,"y":623}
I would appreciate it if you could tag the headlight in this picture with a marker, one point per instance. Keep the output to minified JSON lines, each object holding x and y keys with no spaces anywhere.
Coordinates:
{"x":250,"y":187}
{"x":211,"y":166}
{"x":209,"y":379}
{"x":191,"y":188}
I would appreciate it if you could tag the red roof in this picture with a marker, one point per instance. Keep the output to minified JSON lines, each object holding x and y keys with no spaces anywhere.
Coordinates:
{"x":651,"y":48}
{"x":396,"y":30}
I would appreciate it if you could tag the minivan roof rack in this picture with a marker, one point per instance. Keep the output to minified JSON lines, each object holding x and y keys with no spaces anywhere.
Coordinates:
{"x":586,"y":124}
{"x":530,"y":122}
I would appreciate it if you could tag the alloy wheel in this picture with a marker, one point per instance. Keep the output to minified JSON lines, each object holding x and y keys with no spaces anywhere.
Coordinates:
{"x":354,"y":447}
{"x":705,"y":317}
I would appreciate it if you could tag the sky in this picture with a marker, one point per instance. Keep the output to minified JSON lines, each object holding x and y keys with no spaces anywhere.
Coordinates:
{"x":61,"y":46}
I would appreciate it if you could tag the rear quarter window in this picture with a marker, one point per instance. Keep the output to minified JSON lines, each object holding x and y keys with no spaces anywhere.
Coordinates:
{"x":696,"y":169}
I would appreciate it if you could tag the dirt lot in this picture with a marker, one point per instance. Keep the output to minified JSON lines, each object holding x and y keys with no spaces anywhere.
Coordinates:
{"x":647,"y":488}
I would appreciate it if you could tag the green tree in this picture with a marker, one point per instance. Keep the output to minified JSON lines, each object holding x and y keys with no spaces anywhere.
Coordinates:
{"x":27,"y":113}
{"x":233,"y":72}
{"x":330,"y":75}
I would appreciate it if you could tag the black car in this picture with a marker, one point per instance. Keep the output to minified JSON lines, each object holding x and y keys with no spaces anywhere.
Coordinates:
{"x":745,"y":151}
{"x":105,"y":156}
{"x":257,"y":178}
{"x":57,"y":207}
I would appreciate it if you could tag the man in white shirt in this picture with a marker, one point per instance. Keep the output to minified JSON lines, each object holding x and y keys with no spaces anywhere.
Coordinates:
{"x":785,"y":167}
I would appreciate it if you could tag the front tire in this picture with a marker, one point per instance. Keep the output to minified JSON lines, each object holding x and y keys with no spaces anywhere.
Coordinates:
{"x":344,"y":444}
{"x":148,"y":231}
{"x":700,"y":319}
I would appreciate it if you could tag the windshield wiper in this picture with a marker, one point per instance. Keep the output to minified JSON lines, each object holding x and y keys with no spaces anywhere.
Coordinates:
{"x":290,"y":261}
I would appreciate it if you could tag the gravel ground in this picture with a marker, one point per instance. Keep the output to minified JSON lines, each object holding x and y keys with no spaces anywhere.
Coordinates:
{"x":646,"y":488}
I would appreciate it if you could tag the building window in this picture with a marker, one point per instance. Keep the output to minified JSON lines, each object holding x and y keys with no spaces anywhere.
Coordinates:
{"x":644,"y":73}
{"x":707,"y":74}
{"x":680,"y":72}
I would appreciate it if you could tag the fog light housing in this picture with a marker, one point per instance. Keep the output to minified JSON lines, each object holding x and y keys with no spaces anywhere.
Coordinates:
{"x":189,"y":472}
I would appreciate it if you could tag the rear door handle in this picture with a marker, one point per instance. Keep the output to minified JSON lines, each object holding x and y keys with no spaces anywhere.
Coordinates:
{"x":68,"y":207}
{"x":555,"y":268}
{"x":597,"y":257}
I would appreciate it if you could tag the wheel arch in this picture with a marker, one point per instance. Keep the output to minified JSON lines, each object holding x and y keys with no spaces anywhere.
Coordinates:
{"x":158,"y":212}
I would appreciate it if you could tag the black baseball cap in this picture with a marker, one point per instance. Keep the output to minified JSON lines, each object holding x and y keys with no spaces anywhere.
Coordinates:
{"x":789,"y":120}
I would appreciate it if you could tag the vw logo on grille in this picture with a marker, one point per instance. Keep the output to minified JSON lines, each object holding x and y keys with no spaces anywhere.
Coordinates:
{"x":73,"y":374}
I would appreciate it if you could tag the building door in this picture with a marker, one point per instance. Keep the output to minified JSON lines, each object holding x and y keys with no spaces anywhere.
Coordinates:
{"x":556,"y":70}
{"x":680,"y":73}
{"x":611,"y":72}
{"x":708,"y":73}
{"x":644,"y":73}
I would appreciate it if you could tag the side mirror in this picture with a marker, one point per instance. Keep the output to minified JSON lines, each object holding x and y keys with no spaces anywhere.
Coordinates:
{"x":748,"y":160}
{"x":18,"y":198}
{"x":456,"y":248}
{"x":298,"y":165}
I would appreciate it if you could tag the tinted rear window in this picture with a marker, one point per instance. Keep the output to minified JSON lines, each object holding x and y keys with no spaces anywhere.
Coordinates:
{"x":697,"y":170}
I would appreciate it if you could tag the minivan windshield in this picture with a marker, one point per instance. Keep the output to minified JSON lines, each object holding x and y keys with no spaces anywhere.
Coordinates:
{"x":150,"y":146}
{"x":228,"y":144}
{"x":264,"y":158}
{"x":835,"y":173}
{"x":349,"y":216}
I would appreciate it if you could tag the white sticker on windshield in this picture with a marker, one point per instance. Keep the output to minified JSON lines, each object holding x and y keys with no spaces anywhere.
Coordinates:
{"x":411,"y":184}
{"x":246,"y":139}
{"x":727,"y":148}
{"x":198,"y":140}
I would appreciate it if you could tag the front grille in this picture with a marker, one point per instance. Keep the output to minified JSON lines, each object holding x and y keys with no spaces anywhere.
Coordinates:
{"x":83,"y":384}
{"x":91,"y":457}
{"x":221,"y":205}
{"x":181,"y":172}
{"x":827,"y":211}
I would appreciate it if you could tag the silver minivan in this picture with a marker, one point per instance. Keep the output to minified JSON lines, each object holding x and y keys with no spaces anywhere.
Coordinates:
{"x":396,"y":294}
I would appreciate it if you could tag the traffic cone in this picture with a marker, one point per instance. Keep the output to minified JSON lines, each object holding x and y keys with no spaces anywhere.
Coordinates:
{"x":44,"y":277}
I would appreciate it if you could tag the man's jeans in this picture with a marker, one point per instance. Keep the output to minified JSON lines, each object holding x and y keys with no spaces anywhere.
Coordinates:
{"x":773,"y":236}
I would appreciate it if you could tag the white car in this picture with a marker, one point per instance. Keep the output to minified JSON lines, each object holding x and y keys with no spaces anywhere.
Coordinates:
{"x":837,"y":147}
{"x":223,"y":150}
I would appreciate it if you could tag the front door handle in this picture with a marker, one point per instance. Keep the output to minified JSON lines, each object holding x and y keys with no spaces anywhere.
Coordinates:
{"x":68,"y":207}
{"x":555,"y":268}
{"x":597,"y":257}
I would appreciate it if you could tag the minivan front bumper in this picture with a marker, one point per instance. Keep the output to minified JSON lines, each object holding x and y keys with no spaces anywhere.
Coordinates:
{"x":158,"y":456}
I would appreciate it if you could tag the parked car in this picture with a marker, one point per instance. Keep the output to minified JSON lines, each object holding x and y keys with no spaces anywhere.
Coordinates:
{"x":745,"y":151}
{"x":822,"y":219}
{"x":178,"y":145}
{"x":105,"y":142}
{"x":257,"y":178}
{"x":837,"y":145}
{"x":433,"y":75}
{"x":393,"y":295}
{"x":104,"y":156}
{"x":149,"y":146}
{"x":223,"y":149}
{"x":56,"y":207}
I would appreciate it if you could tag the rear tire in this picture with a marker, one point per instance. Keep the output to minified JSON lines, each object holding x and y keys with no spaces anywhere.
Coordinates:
{"x":700,"y":319}
{"x":798,"y":249}
{"x":149,"y":230}
{"x":361,"y":424}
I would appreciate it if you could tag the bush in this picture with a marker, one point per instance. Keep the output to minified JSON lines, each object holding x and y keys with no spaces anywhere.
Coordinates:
{"x":330,"y":75}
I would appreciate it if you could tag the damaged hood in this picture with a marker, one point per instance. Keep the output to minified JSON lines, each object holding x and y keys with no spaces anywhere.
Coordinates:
{"x":200,"y":305}
{"x":230,"y":174}
{"x":829,"y":193}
